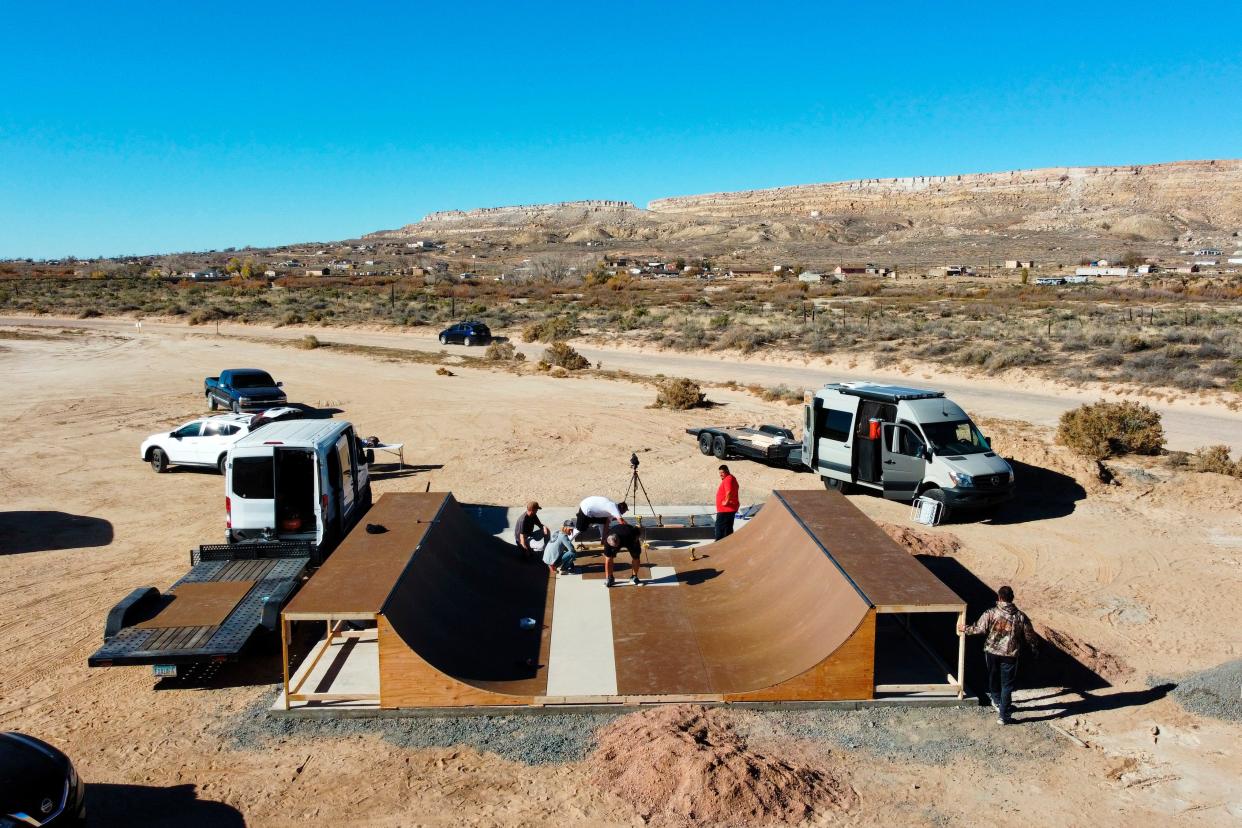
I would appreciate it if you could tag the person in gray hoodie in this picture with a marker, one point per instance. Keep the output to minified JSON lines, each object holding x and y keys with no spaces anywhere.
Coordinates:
{"x":559,"y":552}
{"x":1008,"y":630}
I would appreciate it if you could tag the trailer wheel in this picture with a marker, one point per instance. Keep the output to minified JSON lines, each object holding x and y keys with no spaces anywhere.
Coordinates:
{"x":719,"y":448}
{"x":159,"y":460}
{"x":705,"y":443}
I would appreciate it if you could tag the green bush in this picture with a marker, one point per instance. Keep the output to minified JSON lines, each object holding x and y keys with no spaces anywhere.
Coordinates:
{"x":1108,"y":429}
{"x":562,"y":355}
{"x":680,"y":394}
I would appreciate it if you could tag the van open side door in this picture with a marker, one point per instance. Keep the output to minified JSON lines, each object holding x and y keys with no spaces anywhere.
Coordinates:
{"x":903,"y":461}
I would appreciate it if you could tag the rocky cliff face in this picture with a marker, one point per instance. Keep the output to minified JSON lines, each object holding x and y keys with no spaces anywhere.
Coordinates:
{"x":1157,"y":199}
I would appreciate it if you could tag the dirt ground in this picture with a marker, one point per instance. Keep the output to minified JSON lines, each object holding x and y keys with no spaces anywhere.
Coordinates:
{"x":1137,"y":578}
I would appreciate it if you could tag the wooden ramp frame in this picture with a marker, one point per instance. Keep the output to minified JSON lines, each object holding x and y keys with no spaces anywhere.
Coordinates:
{"x":783,"y":610}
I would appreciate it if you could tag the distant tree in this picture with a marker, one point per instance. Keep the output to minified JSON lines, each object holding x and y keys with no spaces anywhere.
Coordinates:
{"x":233,"y":265}
{"x":1132,"y":258}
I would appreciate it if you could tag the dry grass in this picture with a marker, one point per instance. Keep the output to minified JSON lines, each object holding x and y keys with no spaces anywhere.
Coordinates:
{"x":680,"y":394}
{"x":1108,"y":429}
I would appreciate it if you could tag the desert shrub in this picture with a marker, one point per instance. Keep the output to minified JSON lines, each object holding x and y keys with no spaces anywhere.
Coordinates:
{"x":562,"y":355}
{"x":559,"y":372}
{"x":680,"y":394}
{"x":1209,"y":351}
{"x":202,"y":316}
{"x":1132,"y":343}
{"x":1109,"y":429}
{"x":290,"y":318}
{"x":783,"y":393}
{"x":1074,"y":343}
{"x":550,"y":330}
{"x":1015,"y":357}
{"x":1215,"y":459}
{"x":1107,"y":359}
{"x":1100,"y":339}
{"x":503,"y":352}
{"x":309,"y":342}
{"x":89,"y":313}
{"x":444,"y":372}
{"x":745,"y":339}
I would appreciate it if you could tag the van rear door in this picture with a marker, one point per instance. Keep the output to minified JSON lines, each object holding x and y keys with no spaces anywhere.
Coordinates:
{"x":834,"y":429}
{"x":251,"y":491}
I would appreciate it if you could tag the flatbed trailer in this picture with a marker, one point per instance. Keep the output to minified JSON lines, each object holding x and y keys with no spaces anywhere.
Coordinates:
{"x":230,"y":594}
{"x":767,"y":443}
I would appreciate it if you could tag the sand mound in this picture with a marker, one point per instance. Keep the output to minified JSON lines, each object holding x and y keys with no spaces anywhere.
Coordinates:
{"x":1104,"y":665}
{"x":685,"y":765}
{"x":1145,"y":226}
{"x":1216,"y":692}
{"x":915,"y":542}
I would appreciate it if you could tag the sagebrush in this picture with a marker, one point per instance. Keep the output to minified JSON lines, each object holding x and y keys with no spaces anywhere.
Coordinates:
{"x":1111,"y":429}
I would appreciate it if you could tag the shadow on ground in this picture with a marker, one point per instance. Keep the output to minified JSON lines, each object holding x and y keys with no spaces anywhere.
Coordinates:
{"x":1053,"y":667}
{"x":257,"y":666}
{"x":22,"y":532}
{"x":1041,"y":494}
{"x":1070,"y":703}
{"x":393,"y":471}
{"x":177,"y":805}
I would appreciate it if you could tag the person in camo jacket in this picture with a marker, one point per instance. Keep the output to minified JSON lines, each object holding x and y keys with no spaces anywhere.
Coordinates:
{"x":1008,"y":629}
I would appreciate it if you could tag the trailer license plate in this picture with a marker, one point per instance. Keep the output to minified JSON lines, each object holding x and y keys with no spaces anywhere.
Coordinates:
{"x":164,"y":670}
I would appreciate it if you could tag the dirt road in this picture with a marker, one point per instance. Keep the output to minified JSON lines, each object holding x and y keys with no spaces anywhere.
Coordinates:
{"x":1189,"y":423}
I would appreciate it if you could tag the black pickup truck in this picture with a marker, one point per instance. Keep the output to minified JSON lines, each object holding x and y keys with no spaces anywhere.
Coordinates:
{"x":243,"y":389}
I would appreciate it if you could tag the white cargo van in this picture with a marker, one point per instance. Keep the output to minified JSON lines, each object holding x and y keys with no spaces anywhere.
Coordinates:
{"x":303,"y":480}
{"x":903,"y":442}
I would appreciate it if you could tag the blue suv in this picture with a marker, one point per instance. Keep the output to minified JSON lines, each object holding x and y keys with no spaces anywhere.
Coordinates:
{"x":466,"y":333}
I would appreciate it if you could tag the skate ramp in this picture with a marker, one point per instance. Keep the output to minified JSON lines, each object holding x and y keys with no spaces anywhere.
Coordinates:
{"x":784,"y":609}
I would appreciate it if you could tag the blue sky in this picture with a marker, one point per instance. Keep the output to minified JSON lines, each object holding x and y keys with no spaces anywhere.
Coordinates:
{"x":154,"y":127}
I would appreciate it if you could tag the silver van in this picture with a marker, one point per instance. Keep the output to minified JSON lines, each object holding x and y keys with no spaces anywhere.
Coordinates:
{"x":902,"y":442}
{"x":302,"y":480}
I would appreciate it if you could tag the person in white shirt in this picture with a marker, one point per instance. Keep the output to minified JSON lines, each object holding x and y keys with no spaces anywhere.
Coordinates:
{"x":598,"y":511}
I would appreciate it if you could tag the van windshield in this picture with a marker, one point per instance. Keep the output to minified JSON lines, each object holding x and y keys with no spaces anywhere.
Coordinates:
{"x":955,"y":438}
{"x":253,"y":478}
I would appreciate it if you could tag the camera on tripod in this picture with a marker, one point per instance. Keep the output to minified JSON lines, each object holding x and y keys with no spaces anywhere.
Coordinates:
{"x":634,"y":460}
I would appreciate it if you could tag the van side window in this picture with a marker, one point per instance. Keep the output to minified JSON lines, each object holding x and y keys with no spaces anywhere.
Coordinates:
{"x":909,"y":442}
{"x":347,"y":468}
{"x":835,"y":425}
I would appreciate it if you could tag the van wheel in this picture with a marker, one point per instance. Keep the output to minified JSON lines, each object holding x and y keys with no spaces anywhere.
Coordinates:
{"x":938,"y":495}
{"x":719,"y":448}
{"x":159,"y":460}
{"x":835,"y":485}
{"x":222,"y":463}
{"x":211,"y":401}
{"x":705,"y":443}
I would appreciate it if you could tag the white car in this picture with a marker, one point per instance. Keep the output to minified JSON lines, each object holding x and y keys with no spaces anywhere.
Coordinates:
{"x":202,"y":442}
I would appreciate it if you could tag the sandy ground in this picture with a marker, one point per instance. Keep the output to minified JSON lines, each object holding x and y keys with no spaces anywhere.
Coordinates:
{"x":1146,"y":571}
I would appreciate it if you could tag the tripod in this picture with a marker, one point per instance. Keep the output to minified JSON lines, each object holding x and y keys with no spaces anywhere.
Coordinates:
{"x":633,"y":488}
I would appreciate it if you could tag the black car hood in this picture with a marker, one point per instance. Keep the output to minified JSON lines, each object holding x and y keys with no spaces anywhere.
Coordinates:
{"x":30,"y":772}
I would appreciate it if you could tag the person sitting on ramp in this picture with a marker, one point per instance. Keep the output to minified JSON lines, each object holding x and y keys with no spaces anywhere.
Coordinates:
{"x":628,"y":537}
{"x":598,"y":511}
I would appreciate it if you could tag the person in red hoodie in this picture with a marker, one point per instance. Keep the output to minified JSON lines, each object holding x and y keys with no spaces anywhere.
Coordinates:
{"x":726,"y":503}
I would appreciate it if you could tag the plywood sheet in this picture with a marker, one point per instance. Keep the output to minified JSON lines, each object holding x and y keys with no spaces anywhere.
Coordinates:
{"x":199,"y":604}
{"x":885,"y":572}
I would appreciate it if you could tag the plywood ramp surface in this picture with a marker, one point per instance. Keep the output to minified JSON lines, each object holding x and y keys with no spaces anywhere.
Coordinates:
{"x":199,"y":604}
{"x":886,"y":573}
{"x":361,"y":573}
{"x":458,"y":608}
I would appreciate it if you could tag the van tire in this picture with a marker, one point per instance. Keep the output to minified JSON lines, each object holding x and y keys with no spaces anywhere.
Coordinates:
{"x":222,"y":463}
{"x":705,"y":443}
{"x":159,"y":460}
{"x":939,"y":496}
{"x":835,"y":485}
{"x":719,"y":448}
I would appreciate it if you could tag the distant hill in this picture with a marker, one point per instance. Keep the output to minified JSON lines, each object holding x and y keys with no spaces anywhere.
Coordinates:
{"x":1023,"y":213}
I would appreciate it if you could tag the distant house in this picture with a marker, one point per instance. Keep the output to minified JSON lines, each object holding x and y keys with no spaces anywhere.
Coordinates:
{"x":1235,"y":260}
{"x":1056,"y":280}
{"x":739,"y":273}
{"x":1077,"y":280}
{"x":1145,"y":269}
{"x":1102,"y":270}
{"x":1206,"y":262}
{"x":318,"y":271}
{"x":951,"y":270}
{"x":845,"y":272}
{"x":270,"y":274}
{"x":1190,"y":268}
{"x":1209,"y":251}
{"x":1018,"y":264}
{"x":811,"y":277}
